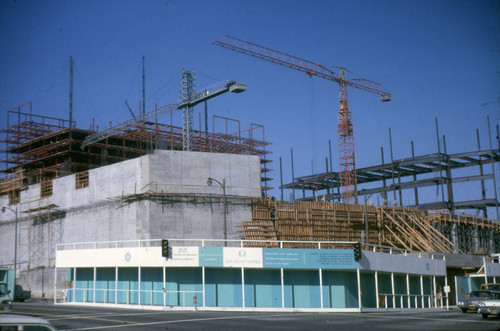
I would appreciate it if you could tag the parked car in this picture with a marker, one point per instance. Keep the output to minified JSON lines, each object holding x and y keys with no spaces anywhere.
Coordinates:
{"x":20,"y":322}
{"x":20,"y":294}
{"x":472,"y":301}
{"x":491,"y":286}
{"x":490,"y":306}
{"x":5,"y":299}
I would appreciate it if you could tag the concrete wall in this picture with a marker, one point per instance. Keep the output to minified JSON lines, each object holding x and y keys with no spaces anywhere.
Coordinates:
{"x":98,"y":213}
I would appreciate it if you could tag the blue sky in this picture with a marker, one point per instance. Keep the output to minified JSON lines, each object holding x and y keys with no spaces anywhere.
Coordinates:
{"x":439,"y":59}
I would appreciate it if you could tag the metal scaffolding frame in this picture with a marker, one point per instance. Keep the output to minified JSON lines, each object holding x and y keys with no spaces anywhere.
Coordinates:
{"x":408,"y":173}
{"x":40,"y":148}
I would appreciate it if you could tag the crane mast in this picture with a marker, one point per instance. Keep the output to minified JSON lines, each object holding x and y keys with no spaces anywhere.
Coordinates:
{"x":188,"y":98}
{"x":345,"y":129}
{"x":345,"y":133}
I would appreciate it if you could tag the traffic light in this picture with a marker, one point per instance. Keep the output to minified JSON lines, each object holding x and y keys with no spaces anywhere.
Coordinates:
{"x":165,"y":248}
{"x":357,"y":251}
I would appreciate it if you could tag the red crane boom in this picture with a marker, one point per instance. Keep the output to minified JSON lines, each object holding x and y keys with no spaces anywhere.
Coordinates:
{"x":345,"y":131}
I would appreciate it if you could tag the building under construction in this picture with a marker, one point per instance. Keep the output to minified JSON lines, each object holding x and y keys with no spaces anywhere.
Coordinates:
{"x":40,"y":148}
{"x":147,"y":179}
{"x":445,"y":225}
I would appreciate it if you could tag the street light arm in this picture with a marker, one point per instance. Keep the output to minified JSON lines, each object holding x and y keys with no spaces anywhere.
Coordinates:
{"x":210,"y":180}
{"x":12,"y":210}
{"x":223,"y":186}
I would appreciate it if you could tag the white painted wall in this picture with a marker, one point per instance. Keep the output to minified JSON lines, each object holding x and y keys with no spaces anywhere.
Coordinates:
{"x":400,"y":263}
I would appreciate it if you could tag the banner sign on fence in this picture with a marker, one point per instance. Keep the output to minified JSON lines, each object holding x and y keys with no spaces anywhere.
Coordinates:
{"x":309,"y":258}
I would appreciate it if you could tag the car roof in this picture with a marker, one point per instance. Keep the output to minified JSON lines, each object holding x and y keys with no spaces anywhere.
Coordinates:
{"x":21,"y":319}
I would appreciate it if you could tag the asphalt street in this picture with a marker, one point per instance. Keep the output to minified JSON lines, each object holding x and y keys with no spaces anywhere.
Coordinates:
{"x":72,"y":317}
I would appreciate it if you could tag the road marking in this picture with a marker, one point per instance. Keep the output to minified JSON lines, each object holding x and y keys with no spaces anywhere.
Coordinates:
{"x":94,"y":315}
{"x":424,"y":318}
{"x":175,"y":321}
{"x":63,"y":317}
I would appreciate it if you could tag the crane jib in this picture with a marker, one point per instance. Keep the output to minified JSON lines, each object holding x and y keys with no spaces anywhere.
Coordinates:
{"x":290,"y":61}
{"x":345,"y":131}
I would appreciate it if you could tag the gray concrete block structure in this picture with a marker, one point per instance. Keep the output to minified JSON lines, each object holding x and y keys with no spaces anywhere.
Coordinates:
{"x":160,"y":195}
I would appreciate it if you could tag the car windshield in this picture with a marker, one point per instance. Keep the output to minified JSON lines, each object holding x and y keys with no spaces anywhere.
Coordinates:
{"x":479,"y":294}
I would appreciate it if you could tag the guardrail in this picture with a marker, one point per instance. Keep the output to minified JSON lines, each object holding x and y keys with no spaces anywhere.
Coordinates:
{"x":128,"y":296}
{"x":403,"y":300}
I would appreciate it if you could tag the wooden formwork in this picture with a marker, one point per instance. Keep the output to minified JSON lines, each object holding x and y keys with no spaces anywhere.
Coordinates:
{"x":317,"y":221}
{"x":410,"y":229}
{"x":309,"y":221}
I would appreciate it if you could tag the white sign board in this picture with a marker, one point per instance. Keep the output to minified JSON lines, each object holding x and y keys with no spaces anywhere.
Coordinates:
{"x":242,"y":257}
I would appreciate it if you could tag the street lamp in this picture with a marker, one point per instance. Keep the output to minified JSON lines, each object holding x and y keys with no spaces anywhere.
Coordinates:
{"x":15,"y":240}
{"x":210,"y":182}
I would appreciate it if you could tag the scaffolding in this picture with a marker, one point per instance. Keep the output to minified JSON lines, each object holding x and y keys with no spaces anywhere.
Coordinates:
{"x":41,"y":148}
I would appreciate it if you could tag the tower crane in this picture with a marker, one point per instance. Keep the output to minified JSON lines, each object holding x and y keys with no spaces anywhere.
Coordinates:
{"x":189,"y":99}
{"x":340,"y":75}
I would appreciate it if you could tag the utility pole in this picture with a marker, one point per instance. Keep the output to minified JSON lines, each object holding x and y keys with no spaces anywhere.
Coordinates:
{"x":70,"y":93}
{"x":143,"y":88}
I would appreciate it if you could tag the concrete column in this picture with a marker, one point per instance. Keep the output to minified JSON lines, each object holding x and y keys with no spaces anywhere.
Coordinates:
{"x":95,"y":281}
{"x":203,"y":283}
{"x":116,"y":285}
{"x":485,"y":270}
{"x":422,"y":290}
{"x":393,"y":291}
{"x":359,"y":288}
{"x":376,"y":289}
{"x":408,"y":290}
{"x":165,"y":287}
{"x":447,"y":293}
{"x":454,"y":236}
{"x":435,"y":290}
{"x":243,"y":287}
{"x":282,"y":289}
{"x":321,"y":287}
{"x":139,"y":286}
{"x":456,"y":291}
{"x":74,"y":284}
